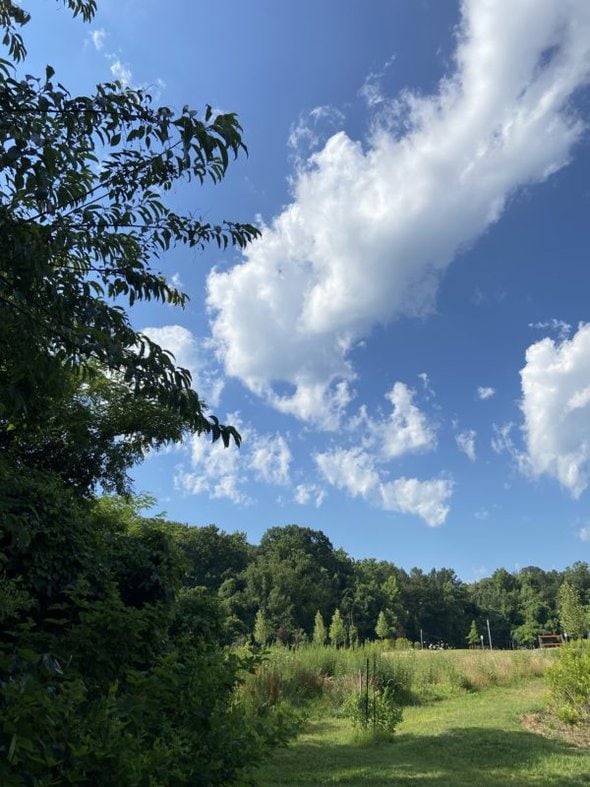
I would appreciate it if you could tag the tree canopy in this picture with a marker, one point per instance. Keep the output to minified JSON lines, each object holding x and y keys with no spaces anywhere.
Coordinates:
{"x":83,"y":224}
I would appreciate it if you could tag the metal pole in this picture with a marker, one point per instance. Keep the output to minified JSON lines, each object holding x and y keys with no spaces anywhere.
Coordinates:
{"x":489,"y":634}
{"x":421,"y":640}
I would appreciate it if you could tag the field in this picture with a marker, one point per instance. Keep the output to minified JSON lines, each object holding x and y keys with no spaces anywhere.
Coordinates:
{"x":462,"y":725}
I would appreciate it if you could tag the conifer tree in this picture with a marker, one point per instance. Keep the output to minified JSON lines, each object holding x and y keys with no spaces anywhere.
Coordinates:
{"x":382,"y":628}
{"x":338,"y":631}
{"x":319,"y":629}
{"x":473,"y":638}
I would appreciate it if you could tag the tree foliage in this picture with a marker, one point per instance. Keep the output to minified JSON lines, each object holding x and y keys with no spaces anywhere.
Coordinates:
{"x":320,"y":634}
{"x":82,"y":226}
{"x":338,"y":633}
{"x":572,"y":615}
{"x":112,"y":664}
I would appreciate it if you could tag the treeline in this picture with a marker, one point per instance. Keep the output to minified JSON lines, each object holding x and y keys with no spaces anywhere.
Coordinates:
{"x":274,"y":592}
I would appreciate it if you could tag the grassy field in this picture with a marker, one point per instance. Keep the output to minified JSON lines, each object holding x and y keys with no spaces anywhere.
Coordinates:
{"x":461,"y":732}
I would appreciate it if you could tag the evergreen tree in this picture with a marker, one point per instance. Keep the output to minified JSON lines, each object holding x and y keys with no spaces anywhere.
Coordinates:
{"x":383,"y":628}
{"x":473,"y":638}
{"x":319,"y":629}
{"x":337,"y":630}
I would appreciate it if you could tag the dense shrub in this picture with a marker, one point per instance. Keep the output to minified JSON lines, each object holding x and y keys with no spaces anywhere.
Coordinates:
{"x":110,"y":673}
{"x":569,"y":681}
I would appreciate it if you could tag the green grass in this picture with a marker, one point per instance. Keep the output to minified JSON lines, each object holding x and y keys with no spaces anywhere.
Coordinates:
{"x":475,"y":739}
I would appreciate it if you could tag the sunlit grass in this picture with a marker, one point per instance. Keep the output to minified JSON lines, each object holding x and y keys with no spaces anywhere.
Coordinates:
{"x":472,"y":739}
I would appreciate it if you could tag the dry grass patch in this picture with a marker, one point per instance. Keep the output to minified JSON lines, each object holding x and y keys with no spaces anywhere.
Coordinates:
{"x":546,"y":723}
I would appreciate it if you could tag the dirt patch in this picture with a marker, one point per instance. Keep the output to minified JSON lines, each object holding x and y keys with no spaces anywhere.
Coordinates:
{"x":547,"y":724}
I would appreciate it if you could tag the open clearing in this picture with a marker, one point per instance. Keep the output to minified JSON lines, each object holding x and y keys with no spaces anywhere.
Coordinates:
{"x":477,"y":739}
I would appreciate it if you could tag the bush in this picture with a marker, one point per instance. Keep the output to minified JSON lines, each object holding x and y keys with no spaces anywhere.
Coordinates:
{"x":109,"y":673}
{"x":569,"y":682}
{"x":374,"y":710}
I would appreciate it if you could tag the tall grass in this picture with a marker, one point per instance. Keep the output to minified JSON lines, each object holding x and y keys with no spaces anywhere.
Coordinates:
{"x":325,"y":676}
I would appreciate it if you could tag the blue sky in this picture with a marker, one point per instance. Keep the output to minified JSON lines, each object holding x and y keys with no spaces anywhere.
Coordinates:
{"x":406,"y":348}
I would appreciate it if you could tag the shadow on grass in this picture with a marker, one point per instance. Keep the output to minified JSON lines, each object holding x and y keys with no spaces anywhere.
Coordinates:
{"x":484,"y":757}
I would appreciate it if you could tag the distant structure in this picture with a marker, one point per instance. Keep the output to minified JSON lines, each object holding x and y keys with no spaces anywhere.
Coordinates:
{"x":550,"y":640}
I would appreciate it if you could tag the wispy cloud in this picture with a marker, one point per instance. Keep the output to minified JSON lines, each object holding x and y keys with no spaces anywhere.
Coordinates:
{"x":485,"y":392}
{"x":98,"y":38}
{"x":466,"y":442}
{"x":190,"y":354}
{"x":309,"y":494}
{"x":231,"y":472}
{"x":120,"y":70}
{"x":559,"y":327}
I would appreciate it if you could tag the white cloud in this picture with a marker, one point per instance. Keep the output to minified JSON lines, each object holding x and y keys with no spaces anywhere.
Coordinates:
{"x":584,"y":533}
{"x":428,"y":389}
{"x":372,"y":89}
{"x":372,"y":227}
{"x":119,"y":70}
{"x":350,"y":469}
{"x":356,"y":471}
{"x":426,"y":499}
{"x":309,"y":493}
{"x":485,"y":392}
{"x":215,"y":470}
{"x":98,"y":37}
{"x":176,"y":281}
{"x":228,"y":472}
{"x":466,"y":443}
{"x":311,"y":131}
{"x":556,"y":406}
{"x":188,"y":352}
{"x":270,"y":458}
{"x":561,"y":328}
{"x":406,"y":430}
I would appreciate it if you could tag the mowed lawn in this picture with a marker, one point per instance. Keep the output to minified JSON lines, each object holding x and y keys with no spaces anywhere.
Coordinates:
{"x":476,"y":739}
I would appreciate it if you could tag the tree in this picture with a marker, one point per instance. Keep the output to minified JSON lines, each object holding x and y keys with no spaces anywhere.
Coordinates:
{"x":383,"y":628}
{"x":262,"y":630}
{"x":572,"y":615}
{"x":295,"y":573}
{"x":473,"y":639}
{"x":112,"y":672}
{"x":337,"y":630}
{"x":319,"y":629}
{"x":78,"y":240}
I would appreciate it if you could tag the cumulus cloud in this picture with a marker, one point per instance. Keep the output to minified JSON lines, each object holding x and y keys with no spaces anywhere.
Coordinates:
{"x":228,"y":472}
{"x":426,"y":499}
{"x":405,"y":430}
{"x":556,"y":407}
{"x":372,"y":226}
{"x":356,"y":471}
{"x":189,"y":354}
{"x":466,"y":442}
{"x":584,"y":533}
{"x":352,"y":470}
{"x":485,"y":392}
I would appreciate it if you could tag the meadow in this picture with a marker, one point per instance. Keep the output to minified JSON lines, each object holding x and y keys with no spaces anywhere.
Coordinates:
{"x":469,"y":717}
